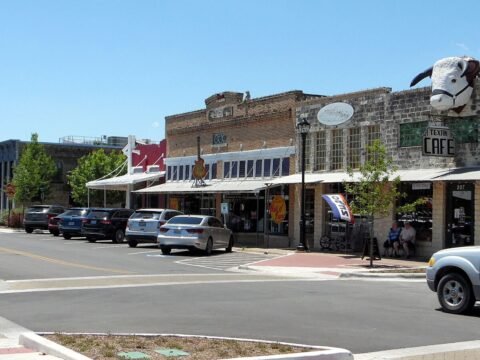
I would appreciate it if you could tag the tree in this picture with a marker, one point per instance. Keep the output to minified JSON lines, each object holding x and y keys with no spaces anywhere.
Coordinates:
{"x":34,"y":173}
{"x":376,"y":191}
{"x":92,"y":167}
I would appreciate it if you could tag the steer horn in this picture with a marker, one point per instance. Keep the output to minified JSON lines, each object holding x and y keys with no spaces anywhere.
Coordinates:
{"x":421,"y":76}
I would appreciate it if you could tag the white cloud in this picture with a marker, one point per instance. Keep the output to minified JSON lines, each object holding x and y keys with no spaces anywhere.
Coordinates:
{"x":155,"y":124}
{"x":463,"y":46}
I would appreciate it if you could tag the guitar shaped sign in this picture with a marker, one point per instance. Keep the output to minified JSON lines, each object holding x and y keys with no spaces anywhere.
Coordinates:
{"x":199,"y":169}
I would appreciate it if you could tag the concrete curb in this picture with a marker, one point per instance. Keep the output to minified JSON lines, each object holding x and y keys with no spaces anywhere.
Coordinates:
{"x":318,"y":352}
{"x":35,"y":342}
{"x":378,"y":275}
{"x":327,"y":354}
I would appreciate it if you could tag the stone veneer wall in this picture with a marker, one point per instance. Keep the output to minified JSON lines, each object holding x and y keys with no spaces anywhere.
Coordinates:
{"x":389,"y":110}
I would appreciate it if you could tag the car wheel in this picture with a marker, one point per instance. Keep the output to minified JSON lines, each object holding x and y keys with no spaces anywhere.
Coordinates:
{"x":67,"y":236}
{"x":455,"y":294}
{"x":209,"y":247}
{"x":166,"y":250}
{"x":56,"y":233}
{"x":28,"y":230}
{"x":118,"y":236}
{"x":230,"y":245}
{"x":132,"y":243}
{"x":91,"y":239}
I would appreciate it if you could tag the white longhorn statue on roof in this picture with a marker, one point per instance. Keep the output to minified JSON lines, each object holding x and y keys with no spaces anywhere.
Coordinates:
{"x":452,"y":82}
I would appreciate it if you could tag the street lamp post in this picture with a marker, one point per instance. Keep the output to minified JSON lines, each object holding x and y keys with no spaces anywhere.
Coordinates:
{"x":303,"y":127}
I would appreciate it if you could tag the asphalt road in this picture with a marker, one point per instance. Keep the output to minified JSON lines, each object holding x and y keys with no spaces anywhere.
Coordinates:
{"x":361,"y":316}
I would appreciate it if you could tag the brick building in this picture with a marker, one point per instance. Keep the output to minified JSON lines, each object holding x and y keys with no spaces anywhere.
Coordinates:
{"x":251,"y":149}
{"x":65,"y":154}
{"x":245,"y":143}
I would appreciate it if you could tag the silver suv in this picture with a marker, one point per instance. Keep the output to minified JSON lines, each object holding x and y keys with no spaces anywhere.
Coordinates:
{"x":144,"y":225}
{"x":455,"y":275}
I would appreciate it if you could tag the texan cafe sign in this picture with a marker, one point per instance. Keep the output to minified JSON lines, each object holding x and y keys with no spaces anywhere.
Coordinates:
{"x":438,"y":141}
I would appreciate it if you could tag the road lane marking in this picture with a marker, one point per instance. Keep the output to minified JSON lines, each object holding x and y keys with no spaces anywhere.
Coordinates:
{"x":110,"y":246}
{"x":144,"y":252}
{"x":62,"y":262}
{"x":126,"y":281}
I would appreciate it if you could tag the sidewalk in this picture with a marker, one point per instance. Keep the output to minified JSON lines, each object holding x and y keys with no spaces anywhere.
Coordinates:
{"x":18,"y":343}
{"x":334,"y":265}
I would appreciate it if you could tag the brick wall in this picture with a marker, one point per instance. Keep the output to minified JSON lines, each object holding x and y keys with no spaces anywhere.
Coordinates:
{"x":265,"y":122}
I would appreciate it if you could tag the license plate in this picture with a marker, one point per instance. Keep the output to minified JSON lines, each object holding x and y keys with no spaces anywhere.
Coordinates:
{"x":93,"y":222}
{"x":71,"y":223}
{"x":142,"y":224}
{"x":176,"y":231}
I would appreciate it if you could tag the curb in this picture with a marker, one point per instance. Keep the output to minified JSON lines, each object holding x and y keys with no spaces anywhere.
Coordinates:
{"x":36,"y":342}
{"x":327,"y":354}
{"x":39,"y":343}
{"x":376,"y":275}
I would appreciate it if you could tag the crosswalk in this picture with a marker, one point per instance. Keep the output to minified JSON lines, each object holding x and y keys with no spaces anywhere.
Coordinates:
{"x":226,"y":261}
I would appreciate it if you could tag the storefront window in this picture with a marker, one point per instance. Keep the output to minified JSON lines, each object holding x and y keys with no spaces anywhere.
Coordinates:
{"x":245,"y":212}
{"x":421,"y":218}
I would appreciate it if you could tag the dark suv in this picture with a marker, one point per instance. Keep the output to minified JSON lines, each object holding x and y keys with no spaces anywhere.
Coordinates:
{"x":38,"y":216}
{"x":106,"y":223}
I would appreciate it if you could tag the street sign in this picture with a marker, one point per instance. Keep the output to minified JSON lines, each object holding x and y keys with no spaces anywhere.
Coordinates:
{"x":224,"y":207}
{"x":438,"y":141}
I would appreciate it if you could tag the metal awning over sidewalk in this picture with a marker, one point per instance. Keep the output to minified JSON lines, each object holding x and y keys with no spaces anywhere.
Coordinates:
{"x":122,"y":182}
{"x":461,"y":174}
{"x":342,"y":176}
{"x":216,"y":186}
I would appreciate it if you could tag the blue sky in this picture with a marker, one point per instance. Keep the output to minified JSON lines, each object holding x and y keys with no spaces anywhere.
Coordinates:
{"x":118,"y":67}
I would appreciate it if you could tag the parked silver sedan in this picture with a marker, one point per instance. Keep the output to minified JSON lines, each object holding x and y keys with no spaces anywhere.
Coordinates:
{"x":195,"y":232}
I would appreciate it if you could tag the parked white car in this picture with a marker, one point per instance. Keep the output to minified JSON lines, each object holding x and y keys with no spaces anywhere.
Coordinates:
{"x":454,"y":274}
{"x":144,"y":225}
{"x":195,"y":232}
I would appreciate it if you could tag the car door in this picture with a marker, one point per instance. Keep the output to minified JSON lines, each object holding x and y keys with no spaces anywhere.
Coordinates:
{"x":217,"y":228}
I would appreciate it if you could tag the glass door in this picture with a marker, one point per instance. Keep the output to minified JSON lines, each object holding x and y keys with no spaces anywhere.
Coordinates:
{"x":460,"y":215}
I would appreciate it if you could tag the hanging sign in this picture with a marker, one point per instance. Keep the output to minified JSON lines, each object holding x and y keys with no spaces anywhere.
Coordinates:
{"x":339,"y":206}
{"x":438,"y":141}
{"x":278,"y":209}
{"x":335,"y":113}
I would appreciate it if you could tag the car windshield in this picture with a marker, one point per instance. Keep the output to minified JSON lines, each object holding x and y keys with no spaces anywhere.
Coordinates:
{"x":98,"y":214}
{"x":75,"y":212}
{"x":40,"y":209}
{"x":186,"y":220}
{"x":146,"y":215}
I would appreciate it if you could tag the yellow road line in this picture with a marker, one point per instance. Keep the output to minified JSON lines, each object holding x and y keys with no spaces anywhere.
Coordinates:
{"x":62,"y":262}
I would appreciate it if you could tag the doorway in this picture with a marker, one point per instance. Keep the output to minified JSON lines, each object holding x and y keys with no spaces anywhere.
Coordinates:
{"x":460,"y":215}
